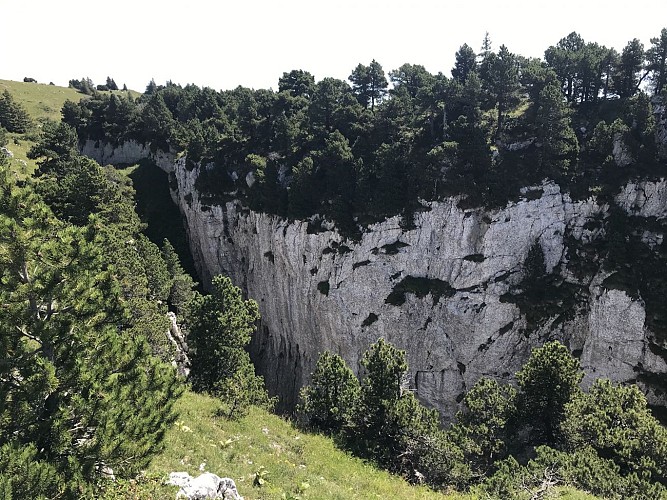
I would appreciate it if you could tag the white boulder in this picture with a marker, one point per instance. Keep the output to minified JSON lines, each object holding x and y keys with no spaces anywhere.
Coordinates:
{"x":207,"y":485}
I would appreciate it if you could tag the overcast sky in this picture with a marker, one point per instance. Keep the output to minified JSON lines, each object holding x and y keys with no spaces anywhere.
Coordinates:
{"x":224,"y":44}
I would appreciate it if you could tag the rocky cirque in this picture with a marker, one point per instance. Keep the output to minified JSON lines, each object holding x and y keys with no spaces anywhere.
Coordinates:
{"x":439,"y":290}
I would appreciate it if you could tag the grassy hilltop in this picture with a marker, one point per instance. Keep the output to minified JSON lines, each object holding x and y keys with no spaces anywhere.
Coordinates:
{"x":42,"y":102}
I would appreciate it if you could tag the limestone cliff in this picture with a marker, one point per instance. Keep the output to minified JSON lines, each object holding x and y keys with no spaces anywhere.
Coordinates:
{"x":454,"y":291}
{"x":444,"y":291}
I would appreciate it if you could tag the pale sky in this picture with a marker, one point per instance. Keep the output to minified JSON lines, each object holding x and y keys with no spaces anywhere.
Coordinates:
{"x":224,"y":44}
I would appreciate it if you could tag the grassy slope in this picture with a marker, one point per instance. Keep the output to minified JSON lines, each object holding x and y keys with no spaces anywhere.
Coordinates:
{"x":42,"y":102}
{"x":296,"y":465}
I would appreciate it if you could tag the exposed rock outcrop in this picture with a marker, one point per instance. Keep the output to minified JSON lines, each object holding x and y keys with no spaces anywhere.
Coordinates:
{"x":451,"y":291}
{"x":644,"y":199}
{"x":440,"y":291}
{"x":206,"y":485}
{"x":621,"y":151}
{"x":175,"y":336}
{"x":105,"y":153}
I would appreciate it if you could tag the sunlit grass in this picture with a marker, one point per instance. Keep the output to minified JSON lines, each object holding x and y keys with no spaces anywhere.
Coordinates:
{"x":19,"y":163}
{"x":293,"y":464}
{"x":41,"y":101}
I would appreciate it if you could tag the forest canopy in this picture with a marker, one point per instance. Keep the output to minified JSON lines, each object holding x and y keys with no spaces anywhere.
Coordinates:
{"x":358,"y":150}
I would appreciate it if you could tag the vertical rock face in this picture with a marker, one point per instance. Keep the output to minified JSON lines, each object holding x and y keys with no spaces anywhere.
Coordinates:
{"x":105,"y":153}
{"x":442,"y":291}
{"x":176,"y":337}
{"x":644,"y":199}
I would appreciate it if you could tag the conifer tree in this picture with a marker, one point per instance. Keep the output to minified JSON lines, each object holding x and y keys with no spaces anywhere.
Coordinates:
{"x":297,"y":83}
{"x":615,"y":421}
{"x":151,"y":88}
{"x":111,"y":84}
{"x":220,"y":328}
{"x":548,"y":382}
{"x":369,"y":83}
{"x":56,"y":149}
{"x":387,"y":417}
{"x":564,"y":59}
{"x":502,"y":83}
{"x":330,"y":400}
{"x":410,"y":78}
{"x":656,"y":57}
{"x":629,"y":74}
{"x":75,"y":391}
{"x":13,"y":116}
{"x":485,"y":57}
{"x":558,"y":145}
{"x":483,"y":426}
{"x":182,"y":285}
{"x":487,"y":46}
{"x":466,"y":63}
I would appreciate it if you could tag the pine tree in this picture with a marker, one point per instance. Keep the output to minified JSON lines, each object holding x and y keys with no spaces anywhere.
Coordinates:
{"x":56,"y":149}
{"x":388,"y":419}
{"x":24,"y":476}
{"x":483,"y":427}
{"x":220,"y":328}
{"x":72,"y":384}
{"x":657,"y":61}
{"x":378,"y":83}
{"x":502,"y":83}
{"x":13,"y":116}
{"x":485,"y":57}
{"x":182,"y":285}
{"x":111,"y":84}
{"x":548,"y":382}
{"x":487,"y":46}
{"x":564,"y":59}
{"x":558,"y":145}
{"x":361,"y":84}
{"x":369,"y":83}
{"x":466,"y":63}
{"x":151,"y":88}
{"x":615,"y":421}
{"x":410,"y":78}
{"x":628,"y":75}
{"x":330,"y":400}
{"x":297,"y":83}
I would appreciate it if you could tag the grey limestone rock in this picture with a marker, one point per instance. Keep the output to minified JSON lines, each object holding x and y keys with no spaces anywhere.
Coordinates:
{"x":105,"y":153}
{"x":177,"y":339}
{"x":451,"y":340}
{"x":621,"y":151}
{"x":206,"y":485}
{"x":319,"y":291}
